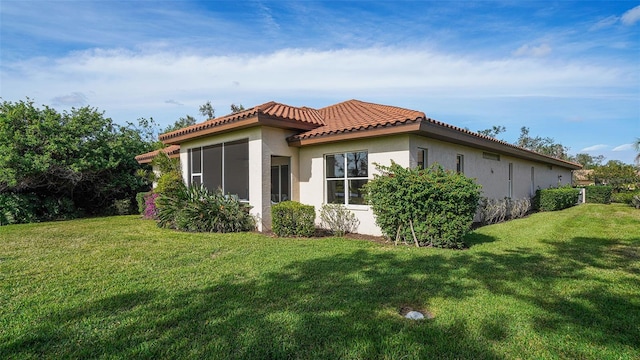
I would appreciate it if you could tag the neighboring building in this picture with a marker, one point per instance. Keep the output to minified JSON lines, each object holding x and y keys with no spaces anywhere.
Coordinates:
{"x":583,"y":178}
{"x":274,"y":152}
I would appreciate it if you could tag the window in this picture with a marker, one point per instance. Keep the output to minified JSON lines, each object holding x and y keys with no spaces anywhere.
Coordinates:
{"x":422,"y":157}
{"x":460,"y":164}
{"x":196,"y":166}
{"x":222,"y":166}
{"x":345,"y":175}
{"x":510,"y":180}
{"x":279,"y":183}
{"x":491,"y":156}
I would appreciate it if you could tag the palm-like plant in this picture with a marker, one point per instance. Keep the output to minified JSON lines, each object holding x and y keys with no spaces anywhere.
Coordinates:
{"x":637,"y":146}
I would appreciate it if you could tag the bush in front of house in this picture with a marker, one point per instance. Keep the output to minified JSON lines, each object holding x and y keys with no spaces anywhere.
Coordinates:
{"x":599,"y":194}
{"x":493,"y":211}
{"x":556,"y":199}
{"x":430,"y":207}
{"x":338,"y":219}
{"x":291,"y":218}
{"x":196,"y":209}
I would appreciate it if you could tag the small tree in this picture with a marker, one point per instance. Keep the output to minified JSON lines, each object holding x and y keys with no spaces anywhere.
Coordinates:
{"x":431,"y":207}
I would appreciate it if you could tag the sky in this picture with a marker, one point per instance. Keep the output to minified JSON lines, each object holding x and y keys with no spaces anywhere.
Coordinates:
{"x":568,"y":70}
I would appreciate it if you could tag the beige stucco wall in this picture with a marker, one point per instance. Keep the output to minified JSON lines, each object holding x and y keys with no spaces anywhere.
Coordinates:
{"x":380,"y":150}
{"x":491,"y":174}
{"x":307,"y":168}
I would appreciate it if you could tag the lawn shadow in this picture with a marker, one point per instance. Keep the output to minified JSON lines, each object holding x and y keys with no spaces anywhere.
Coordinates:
{"x":346,"y":306}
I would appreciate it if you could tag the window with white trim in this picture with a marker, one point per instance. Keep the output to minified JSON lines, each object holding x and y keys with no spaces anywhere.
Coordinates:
{"x":345,"y":175}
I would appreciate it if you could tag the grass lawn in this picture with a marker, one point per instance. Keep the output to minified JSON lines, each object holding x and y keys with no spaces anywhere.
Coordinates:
{"x":554,"y":285}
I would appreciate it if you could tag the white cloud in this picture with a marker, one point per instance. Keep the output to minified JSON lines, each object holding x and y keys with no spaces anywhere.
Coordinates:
{"x":174,"y":102}
{"x":631,"y":17}
{"x":623,"y":147}
{"x":534,"y":51}
{"x":595,"y":147}
{"x":605,"y":23}
{"x":73,"y":99}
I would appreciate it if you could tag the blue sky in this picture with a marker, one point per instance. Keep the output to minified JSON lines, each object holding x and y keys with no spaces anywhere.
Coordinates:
{"x":569,"y":70}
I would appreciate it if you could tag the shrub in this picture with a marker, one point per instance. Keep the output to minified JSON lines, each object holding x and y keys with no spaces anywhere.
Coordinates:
{"x":16,"y":208}
{"x":599,"y":194}
{"x":290,"y":218}
{"x":556,"y":199}
{"x":493,"y":211}
{"x":61,"y":208}
{"x":169,"y":183}
{"x":196,"y":209}
{"x":338,"y":219}
{"x":150,"y":209}
{"x":122,"y":207}
{"x":141,"y":201}
{"x":624,"y":197}
{"x":432,"y":207}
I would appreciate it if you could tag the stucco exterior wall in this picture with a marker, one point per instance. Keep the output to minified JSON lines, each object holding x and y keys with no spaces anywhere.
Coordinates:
{"x":493,"y":175}
{"x":274,"y":144}
{"x":312,"y":171}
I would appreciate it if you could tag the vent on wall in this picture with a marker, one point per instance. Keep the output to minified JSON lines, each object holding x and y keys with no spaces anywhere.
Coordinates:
{"x":491,"y":156}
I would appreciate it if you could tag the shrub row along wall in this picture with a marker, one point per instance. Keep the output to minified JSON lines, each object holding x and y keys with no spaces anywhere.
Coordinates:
{"x":556,"y":199}
{"x":599,"y":194}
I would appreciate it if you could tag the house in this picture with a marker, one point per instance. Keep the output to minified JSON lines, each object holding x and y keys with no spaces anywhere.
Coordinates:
{"x":275,"y":152}
{"x":583,"y":178}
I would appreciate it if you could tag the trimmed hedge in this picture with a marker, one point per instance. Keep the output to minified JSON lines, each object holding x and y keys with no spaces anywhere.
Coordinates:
{"x":291,"y":218}
{"x":599,"y":194}
{"x":556,"y":199}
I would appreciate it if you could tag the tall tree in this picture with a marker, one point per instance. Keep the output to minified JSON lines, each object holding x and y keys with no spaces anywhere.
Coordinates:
{"x":236,"y":108}
{"x":587,"y":161}
{"x":207,"y":110}
{"x":546,"y":146}
{"x":493,"y":132}
{"x":79,"y":154}
{"x":617,"y":174}
{"x":636,"y":145}
{"x":183,"y":122}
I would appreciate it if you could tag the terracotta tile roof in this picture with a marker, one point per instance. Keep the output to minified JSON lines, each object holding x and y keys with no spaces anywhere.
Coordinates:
{"x":303,"y":115}
{"x":355,"y":115}
{"x":336,"y":122}
{"x":171,"y":150}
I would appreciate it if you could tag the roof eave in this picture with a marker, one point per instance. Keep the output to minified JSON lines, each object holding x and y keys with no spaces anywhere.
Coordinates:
{"x":359,"y":133}
{"x":193,"y":133}
{"x":439,"y":132}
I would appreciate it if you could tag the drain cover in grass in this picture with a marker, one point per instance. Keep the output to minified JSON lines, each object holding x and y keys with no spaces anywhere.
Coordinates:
{"x":412,"y":314}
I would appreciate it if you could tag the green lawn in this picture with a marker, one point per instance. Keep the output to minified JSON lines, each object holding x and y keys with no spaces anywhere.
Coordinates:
{"x":554,"y":285}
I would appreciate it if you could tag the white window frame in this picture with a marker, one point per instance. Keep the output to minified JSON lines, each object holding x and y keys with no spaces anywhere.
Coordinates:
{"x":345,"y":178}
